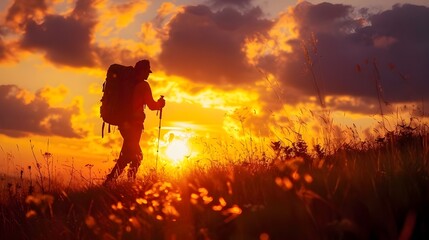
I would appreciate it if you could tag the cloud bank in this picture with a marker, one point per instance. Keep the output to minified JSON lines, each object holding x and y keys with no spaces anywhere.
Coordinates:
{"x":346,"y":55}
{"x":206,"y":46}
{"x":333,"y":49}
{"x":350,"y":53}
{"x":69,"y":38}
{"x":24,"y":113}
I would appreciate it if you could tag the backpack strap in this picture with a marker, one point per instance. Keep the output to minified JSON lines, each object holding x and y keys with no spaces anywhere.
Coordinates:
{"x":102,"y":129}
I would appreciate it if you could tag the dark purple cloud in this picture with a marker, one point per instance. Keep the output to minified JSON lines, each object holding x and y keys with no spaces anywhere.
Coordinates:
{"x":65,"y":40}
{"x":350,"y":51}
{"x":21,"y":117}
{"x":206,"y":46}
{"x":350,"y":58}
{"x":237,"y":3}
{"x":407,"y":26}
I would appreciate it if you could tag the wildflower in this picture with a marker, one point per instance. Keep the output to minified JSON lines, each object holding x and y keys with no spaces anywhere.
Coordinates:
{"x":141,"y":201}
{"x":279,"y":181}
{"x":176,"y":196}
{"x":295,"y":176}
{"x":148,"y":192}
{"x":30,"y":214}
{"x":308,"y":178}
{"x":155,"y":203}
{"x":134,"y":222}
{"x":207,"y":199}
{"x":235,"y":210}
{"x":222,"y":202}
{"x":203,"y":192}
{"x":118,"y":206}
{"x":150,"y":209}
{"x":264,"y":236}
{"x":285,"y":182}
{"x":194,"y":196}
{"x":217,"y":208}
{"x":40,"y":200}
{"x":47,"y":154}
{"x":165,"y":186}
{"x":90,"y":222}
{"x":170,"y":211}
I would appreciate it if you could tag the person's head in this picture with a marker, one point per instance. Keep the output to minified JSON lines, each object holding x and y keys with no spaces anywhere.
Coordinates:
{"x":142,"y":68}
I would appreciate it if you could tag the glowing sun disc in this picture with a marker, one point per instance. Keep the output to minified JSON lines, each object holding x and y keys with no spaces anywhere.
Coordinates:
{"x":177,"y":150}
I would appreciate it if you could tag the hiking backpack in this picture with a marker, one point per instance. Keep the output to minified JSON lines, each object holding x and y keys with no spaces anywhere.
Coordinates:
{"x":116,"y":102}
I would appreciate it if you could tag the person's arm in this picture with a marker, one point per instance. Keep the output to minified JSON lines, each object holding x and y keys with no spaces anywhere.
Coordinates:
{"x":144,"y":94}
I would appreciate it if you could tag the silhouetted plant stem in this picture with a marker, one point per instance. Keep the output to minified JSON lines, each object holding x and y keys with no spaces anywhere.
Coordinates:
{"x":378,"y":89}
{"x":310,"y":64}
{"x":38,"y":166}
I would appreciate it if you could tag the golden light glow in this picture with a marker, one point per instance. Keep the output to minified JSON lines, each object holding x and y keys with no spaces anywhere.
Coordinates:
{"x":177,"y":151}
{"x":53,"y":95}
{"x":176,"y":144}
{"x":283,"y":30}
{"x":167,"y":11}
{"x":114,"y":17}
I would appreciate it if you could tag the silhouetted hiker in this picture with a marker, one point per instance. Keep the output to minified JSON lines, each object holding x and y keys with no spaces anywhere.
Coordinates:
{"x":139,"y":93}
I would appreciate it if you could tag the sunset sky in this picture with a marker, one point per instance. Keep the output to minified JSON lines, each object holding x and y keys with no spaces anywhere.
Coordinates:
{"x":230,"y":70}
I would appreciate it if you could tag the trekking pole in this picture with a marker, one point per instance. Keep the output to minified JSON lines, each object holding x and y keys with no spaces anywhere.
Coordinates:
{"x":159,"y":135}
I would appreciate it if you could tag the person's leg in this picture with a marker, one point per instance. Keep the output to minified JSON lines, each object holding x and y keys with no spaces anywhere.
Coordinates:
{"x":121,"y":163}
{"x":134,"y":166}
{"x":137,"y":154}
{"x":125,"y":155}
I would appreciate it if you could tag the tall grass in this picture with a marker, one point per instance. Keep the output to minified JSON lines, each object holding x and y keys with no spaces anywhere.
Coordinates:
{"x":371,"y":190}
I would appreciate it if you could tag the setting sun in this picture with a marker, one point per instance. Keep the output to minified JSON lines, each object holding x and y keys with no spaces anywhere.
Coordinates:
{"x":177,"y":150}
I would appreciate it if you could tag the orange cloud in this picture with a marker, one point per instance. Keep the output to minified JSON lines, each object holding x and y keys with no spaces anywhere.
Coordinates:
{"x":53,"y":95}
{"x":21,"y":11}
{"x":275,"y":42}
{"x":114,"y":17}
{"x":165,"y":10}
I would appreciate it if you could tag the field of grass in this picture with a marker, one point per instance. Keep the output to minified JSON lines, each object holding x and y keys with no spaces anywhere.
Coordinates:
{"x":372,"y":190}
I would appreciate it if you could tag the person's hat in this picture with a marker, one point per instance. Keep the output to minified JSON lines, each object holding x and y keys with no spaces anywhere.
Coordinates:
{"x":143,"y":65}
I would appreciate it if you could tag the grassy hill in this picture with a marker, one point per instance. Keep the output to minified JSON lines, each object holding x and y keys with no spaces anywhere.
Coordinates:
{"x":372,"y":190}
